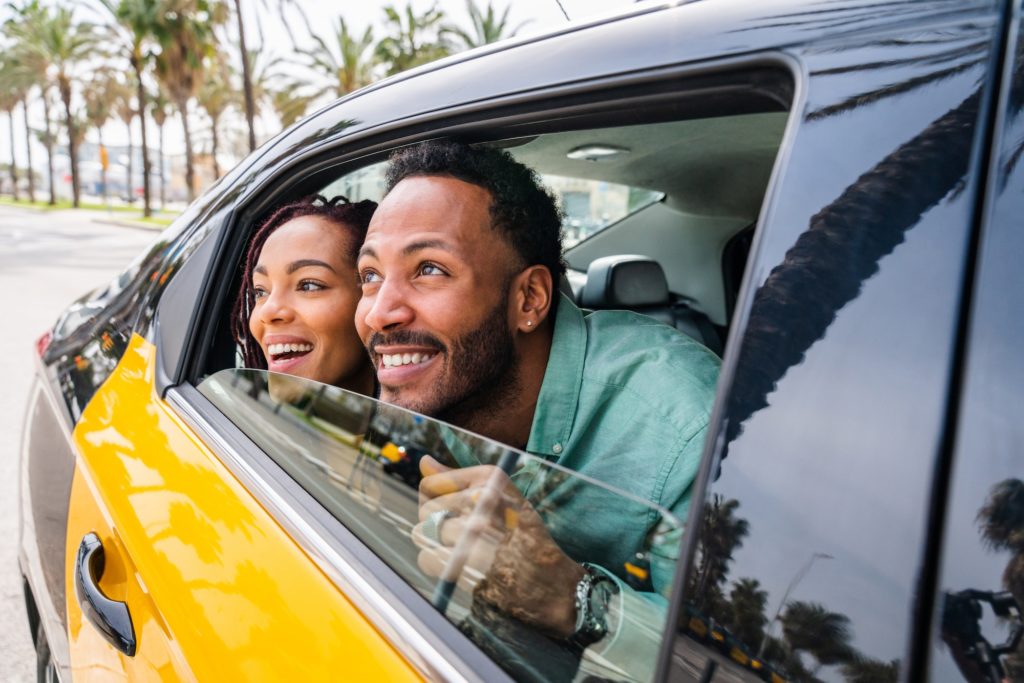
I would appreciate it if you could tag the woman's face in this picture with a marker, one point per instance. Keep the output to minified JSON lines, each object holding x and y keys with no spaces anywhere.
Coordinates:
{"x":306,"y":296}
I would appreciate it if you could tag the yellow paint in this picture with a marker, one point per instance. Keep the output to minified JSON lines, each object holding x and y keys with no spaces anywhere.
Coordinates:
{"x":218,"y":591}
{"x":638,"y":572}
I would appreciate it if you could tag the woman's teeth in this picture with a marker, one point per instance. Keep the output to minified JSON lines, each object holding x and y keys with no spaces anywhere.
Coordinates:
{"x":394,"y":360}
{"x":278,"y":349}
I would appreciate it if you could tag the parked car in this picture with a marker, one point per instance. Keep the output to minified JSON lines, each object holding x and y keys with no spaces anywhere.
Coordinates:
{"x":832,"y":191}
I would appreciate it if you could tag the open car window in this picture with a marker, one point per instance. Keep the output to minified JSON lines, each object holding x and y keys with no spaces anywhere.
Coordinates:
{"x":360,"y":459}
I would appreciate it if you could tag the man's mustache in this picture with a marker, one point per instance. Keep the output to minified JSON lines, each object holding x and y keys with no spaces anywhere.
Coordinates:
{"x":404,"y":338}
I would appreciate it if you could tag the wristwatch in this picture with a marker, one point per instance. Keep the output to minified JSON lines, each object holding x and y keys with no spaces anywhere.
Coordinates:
{"x":594,"y":594}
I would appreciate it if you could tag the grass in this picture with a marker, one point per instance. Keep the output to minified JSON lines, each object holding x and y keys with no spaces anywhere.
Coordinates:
{"x":64,"y":204}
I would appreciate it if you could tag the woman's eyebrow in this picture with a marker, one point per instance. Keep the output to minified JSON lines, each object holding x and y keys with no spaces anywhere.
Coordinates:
{"x":306,"y":262}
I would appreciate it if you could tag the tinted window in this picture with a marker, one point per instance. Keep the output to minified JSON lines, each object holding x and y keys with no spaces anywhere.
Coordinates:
{"x":811,"y":534}
{"x":982,"y":573}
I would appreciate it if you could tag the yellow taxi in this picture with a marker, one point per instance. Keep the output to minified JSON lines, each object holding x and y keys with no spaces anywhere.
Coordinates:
{"x":829,"y":194}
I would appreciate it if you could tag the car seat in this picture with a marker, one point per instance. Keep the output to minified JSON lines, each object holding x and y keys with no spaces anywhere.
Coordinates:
{"x":637,"y":283}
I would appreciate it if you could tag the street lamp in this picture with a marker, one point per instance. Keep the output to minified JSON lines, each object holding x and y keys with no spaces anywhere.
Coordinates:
{"x":797,"y":578}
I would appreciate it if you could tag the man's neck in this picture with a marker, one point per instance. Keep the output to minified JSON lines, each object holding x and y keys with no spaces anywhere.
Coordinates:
{"x":509,"y":417}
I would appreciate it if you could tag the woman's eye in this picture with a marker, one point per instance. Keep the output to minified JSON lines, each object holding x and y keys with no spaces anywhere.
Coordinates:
{"x":431,"y":269}
{"x":311,"y":286}
{"x":259,"y":292}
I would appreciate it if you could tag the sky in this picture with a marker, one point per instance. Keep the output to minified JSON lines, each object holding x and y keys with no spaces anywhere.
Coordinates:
{"x":266,"y":31}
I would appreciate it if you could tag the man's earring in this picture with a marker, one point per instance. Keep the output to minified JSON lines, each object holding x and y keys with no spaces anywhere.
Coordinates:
{"x":529,"y":323}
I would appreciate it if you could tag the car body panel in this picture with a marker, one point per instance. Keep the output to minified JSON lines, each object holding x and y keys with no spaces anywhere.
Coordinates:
{"x":214,"y":579}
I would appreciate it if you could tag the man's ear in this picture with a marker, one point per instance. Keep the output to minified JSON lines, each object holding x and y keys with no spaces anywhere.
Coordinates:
{"x":532,"y":290}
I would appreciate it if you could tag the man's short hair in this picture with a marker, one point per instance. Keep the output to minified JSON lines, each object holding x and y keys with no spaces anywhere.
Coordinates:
{"x":521,"y":208}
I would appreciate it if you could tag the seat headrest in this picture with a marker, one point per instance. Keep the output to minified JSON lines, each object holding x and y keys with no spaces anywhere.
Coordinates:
{"x":624,"y":281}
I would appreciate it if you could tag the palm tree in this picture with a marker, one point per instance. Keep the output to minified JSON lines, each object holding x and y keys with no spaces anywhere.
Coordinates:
{"x":347,"y":62}
{"x":158,"y":109}
{"x":10,"y":97}
{"x":721,"y":533}
{"x":124,"y":109}
{"x":68,"y":43}
{"x":1001,"y":520}
{"x":247,"y":89}
{"x":414,"y":39}
{"x":748,"y":601}
{"x":185,"y":32}
{"x":100,"y":95}
{"x":862,"y":670}
{"x":810,"y":627}
{"x":485,"y":26}
{"x":27,"y":29}
{"x":19,"y":75}
{"x":215,"y":96}
{"x":289,"y":103}
{"x":132,"y":30}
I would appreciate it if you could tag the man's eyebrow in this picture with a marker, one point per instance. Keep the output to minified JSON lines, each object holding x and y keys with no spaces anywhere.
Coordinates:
{"x":426,"y":244}
{"x":410,"y":248}
{"x":306,"y":262}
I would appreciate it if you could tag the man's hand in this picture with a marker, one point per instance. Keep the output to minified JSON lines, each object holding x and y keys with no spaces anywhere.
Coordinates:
{"x":495,"y":544}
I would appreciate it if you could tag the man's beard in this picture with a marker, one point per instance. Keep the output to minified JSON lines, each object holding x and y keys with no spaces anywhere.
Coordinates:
{"x":479,"y":373}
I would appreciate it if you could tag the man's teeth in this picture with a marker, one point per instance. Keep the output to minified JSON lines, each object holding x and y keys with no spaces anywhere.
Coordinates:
{"x":394,"y":360}
{"x":278,"y":349}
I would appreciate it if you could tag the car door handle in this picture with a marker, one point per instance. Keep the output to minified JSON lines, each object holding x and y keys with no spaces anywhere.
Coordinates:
{"x":110,"y":617}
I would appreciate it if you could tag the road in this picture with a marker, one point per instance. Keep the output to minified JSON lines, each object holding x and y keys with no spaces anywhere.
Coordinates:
{"x":46,"y":261}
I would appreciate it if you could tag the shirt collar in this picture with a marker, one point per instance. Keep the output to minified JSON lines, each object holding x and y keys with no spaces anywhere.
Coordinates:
{"x":560,"y":390}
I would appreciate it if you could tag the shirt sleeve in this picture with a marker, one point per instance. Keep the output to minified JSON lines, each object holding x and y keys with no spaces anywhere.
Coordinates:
{"x":636,"y":619}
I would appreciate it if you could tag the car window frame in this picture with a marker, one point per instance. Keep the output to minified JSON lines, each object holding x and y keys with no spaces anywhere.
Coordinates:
{"x":439,"y":647}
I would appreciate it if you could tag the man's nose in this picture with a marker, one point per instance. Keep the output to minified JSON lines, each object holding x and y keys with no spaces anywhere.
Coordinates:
{"x":389,"y":307}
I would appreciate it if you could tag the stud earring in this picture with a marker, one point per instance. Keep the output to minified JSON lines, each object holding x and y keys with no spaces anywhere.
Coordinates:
{"x":529,"y":323}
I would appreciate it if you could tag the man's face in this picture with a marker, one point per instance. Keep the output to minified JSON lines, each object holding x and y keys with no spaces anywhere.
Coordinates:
{"x":435,"y":313}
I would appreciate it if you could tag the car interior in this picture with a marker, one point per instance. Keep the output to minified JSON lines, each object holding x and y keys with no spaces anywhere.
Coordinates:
{"x":660,"y":194}
{"x":658,"y":218}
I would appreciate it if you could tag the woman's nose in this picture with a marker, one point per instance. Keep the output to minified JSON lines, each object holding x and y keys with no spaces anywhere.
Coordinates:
{"x":276,"y":307}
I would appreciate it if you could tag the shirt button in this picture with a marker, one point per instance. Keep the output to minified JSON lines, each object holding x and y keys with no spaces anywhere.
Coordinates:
{"x":556,"y":449}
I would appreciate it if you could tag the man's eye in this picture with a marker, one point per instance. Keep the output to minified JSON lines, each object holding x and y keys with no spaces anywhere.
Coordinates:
{"x":368,"y":276}
{"x":311,"y":286}
{"x":431,"y":269}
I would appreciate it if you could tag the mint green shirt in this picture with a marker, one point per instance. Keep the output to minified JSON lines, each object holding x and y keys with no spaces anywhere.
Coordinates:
{"x":625,"y":400}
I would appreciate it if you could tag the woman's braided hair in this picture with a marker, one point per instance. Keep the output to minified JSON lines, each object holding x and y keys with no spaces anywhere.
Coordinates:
{"x":353,"y":216}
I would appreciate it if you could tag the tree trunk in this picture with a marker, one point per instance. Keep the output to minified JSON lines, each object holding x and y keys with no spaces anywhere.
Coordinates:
{"x":65,"y":95}
{"x":140,"y":94}
{"x":103,"y":168}
{"x":213,"y":153}
{"x":830,"y":261}
{"x":190,"y":171}
{"x":28,"y":150}
{"x":163,"y":182}
{"x":250,"y":105}
{"x":48,"y":144}
{"x":14,"y":165}
{"x":131,"y":162}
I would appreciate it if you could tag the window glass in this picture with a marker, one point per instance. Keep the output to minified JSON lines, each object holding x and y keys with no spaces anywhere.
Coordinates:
{"x":360,"y":459}
{"x":810,"y":541}
{"x":978,"y":633}
{"x":589,"y":206}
